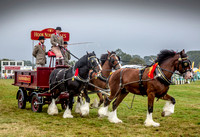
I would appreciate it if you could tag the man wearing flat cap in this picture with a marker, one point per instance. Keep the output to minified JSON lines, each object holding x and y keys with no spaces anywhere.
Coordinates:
{"x":67,"y":56}
{"x":39,"y":52}
{"x":57,"y":44}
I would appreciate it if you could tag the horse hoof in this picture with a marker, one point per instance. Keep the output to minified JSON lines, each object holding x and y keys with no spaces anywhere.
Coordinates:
{"x":84,"y":113}
{"x":52,"y":111}
{"x":166,"y":113}
{"x":151,"y":123}
{"x":156,"y":124}
{"x":84,"y":109}
{"x":116,"y":120}
{"x":103,"y":112}
{"x":67,"y":116}
{"x":77,"y":111}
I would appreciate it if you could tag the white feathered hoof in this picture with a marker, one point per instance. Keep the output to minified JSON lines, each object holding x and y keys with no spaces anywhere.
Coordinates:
{"x":85,"y":109}
{"x":149,"y":123}
{"x":168,"y":109}
{"x":95,"y":103}
{"x":77,"y":108}
{"x":112,"y":117}
{"x":103,"y":112}
{"x":67,"y":113}
{"x":52,"y":109}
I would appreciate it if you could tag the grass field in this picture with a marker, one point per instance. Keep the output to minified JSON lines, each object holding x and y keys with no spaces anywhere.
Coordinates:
{"x":23,"y":122}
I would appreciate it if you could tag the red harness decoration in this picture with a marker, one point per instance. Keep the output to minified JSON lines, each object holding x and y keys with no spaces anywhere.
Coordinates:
{"x":151,"y":71}
{"x":76,"y":72}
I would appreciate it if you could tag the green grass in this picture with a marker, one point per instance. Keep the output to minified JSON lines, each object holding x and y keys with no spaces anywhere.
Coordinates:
{"x":23,"y":122}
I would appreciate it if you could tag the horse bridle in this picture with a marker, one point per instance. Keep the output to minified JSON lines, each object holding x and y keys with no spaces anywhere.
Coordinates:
{"x":184,"y":62}
{"x":111,"y":60}
{"x":94,"y":58}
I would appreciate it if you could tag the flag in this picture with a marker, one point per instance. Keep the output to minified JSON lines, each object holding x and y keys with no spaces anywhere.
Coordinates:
{"x":192,"y":64}
{"x":151,"y":71}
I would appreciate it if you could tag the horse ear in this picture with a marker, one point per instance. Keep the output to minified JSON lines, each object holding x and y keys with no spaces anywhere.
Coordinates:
{"x":87,"y":52}
{"x":93,"y":53}
{"x":108,"y":52}
{"x":182,"y":52}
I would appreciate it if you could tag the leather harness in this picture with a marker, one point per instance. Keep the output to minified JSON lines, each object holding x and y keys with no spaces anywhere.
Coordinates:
{"x":141,"y":86}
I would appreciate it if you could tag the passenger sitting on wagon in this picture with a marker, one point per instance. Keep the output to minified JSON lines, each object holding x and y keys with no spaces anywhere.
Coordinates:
{"x":67,"y":56}
{"x":39,"y":52}
{"x":57,"y":43}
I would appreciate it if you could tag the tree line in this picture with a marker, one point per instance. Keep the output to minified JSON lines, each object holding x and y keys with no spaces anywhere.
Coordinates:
{"x":127,"y":59}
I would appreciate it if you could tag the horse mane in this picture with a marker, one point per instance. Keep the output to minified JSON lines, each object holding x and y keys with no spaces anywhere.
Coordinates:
{"x":83,"y":60}
{"x":104,"y":57}
{"x":164,"y":55}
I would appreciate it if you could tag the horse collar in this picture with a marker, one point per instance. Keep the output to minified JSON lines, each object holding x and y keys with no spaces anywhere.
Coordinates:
{"x":161,"y":76}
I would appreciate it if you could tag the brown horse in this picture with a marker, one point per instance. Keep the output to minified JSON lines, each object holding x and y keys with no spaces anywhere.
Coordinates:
{"x":109,"y":61}
{"x":138,"y":82}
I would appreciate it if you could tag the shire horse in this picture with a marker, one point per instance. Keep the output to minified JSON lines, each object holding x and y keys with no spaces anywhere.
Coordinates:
{"x":63,"y":79}
{"x":109,"y":61}
{"x":138,"y":82}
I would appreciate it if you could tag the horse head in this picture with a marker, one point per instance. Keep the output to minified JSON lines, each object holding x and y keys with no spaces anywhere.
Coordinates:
{"x":114,"y":60}
{"x":93,"y":62}
{"x":184,"y":65}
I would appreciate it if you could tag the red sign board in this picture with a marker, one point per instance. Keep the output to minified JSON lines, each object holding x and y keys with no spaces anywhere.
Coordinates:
{"x":12,"y":68}
{"x":24,"y":78}
{"x":47,"y":34}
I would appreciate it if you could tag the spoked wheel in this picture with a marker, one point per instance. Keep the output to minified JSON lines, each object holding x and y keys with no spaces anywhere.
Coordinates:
{"x":35,"y":106}
{"x":22,"y":99}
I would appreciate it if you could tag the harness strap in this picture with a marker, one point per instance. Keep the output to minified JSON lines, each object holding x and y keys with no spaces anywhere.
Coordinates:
{"x":120,"y":80}
{"x":102,"y":78}
{"x":161,"y":76}
{"x":58,"y":73}
{"x":91,"y":74}
{"x":141,"y":86}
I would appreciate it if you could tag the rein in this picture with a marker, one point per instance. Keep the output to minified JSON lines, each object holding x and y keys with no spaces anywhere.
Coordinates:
{"x":70,"y":53}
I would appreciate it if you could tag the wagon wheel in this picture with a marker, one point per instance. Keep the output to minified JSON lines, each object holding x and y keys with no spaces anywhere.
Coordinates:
{"x":34,"y":104}
{"x":22,"y":96}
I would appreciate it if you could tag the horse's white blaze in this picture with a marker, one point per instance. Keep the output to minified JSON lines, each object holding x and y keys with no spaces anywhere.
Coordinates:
{"x":120,"y":65}
{"x":67,"y":113}
{"x":100,"y":67}
{"x":112,"y":117}
{"x":52,"y":109}
{"x":149,"y":121}
{"x":77,"y":108}
{"x":103,"y":111}
{"x":168,"y":109}
{"x":85,"y":109}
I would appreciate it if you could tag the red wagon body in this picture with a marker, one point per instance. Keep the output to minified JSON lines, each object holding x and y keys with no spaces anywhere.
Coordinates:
{"x":33,"y":79}
{"x":34,"y":88}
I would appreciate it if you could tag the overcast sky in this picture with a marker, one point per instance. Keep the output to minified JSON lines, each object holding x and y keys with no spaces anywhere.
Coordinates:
{"x":136,"y":27}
